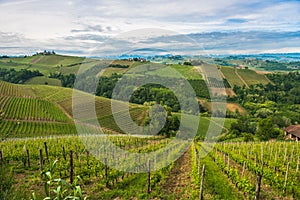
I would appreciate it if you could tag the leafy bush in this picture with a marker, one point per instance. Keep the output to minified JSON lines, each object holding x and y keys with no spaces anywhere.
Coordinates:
{"x":6,"y":182}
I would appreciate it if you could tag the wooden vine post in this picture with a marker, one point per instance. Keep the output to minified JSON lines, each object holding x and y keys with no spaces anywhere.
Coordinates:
{"x":41,"y":159}
{"x":286,"y":177}
{"x":1,"y":158}
{"x":64,"y":153}
{"x":275,"y":160}
{"x":106,"y":171}
{"x":297,"y":168}
{"x":258,"y":184}
{"x":202,"y":183}
{"x":149,"y":177}
{"x":28,"y":158}
{"x":46,"y":151}
{"x":228,"y":162}
{"x":71,"y":167}
{"x":243,"y":171}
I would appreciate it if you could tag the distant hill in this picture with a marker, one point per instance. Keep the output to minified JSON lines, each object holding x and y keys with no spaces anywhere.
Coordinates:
{"x":47,"y":63}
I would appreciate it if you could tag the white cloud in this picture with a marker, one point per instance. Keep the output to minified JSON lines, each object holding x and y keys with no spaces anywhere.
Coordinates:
{"x":82,"y":24}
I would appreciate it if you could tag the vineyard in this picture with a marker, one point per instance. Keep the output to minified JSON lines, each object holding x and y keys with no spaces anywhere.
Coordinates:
{"x":38,"y":110}
{"x":233,"y":79}
{"x":30,"y":156}
{"x":251,"y":77}
{"x":19,"y":129}
{"x":261,"y":170}
{"x":8,"y":89}
{"x":16,"y":108}
{"x":267,"y":170}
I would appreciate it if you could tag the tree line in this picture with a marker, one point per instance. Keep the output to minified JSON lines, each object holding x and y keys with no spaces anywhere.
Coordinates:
{"x":20,"y":77}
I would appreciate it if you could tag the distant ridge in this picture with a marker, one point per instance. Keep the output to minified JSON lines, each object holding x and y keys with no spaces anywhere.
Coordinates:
{"x":281,"y":57}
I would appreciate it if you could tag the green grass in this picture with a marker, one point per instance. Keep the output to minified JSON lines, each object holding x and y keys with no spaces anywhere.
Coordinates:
{"x":58,"y":60}
{"x":111,"y":70}
{"x":43,"y":80}
{"x":216,"y":183}
{"x":48,"y":64}
{"x":189,"y":72}
{"x":204,"y":123}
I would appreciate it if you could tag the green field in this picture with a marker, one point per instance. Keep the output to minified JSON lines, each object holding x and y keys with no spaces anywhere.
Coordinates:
{"x":43,"y":80}
{"x":189,"y":72}
{"x":47,"y":64}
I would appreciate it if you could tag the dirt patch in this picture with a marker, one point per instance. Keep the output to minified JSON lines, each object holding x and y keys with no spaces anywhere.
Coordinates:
{"x":36,"y":60}
{"x":178,"y":182}
{"x":232,"y":107}
{"x":262,"y":72}
{"x":230,"y":92}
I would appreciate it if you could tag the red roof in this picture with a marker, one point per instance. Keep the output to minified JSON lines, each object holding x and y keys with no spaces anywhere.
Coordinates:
{"x":294,"y":130}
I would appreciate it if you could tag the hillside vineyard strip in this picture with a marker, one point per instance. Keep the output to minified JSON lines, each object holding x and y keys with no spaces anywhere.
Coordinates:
{"x":19,"y":129}
{"x":9,"y":89}
{"x":31,"y":109}
{"x":251,"y":77}
{"x":233,"y":79}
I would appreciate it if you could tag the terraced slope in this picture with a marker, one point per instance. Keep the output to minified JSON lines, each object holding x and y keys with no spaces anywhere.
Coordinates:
{"x":251,"y":77}
{"x":8,"y":89}
{"x":34,"y":110}
{"x":231,"y":76}
{"x":241,"y":77}
{"x":18,"y":108}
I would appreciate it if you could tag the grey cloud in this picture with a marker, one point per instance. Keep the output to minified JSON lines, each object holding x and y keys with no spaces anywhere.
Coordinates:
{"x":95,"y":28}
{"x":97,"y":38}
{"x":10,"y":38}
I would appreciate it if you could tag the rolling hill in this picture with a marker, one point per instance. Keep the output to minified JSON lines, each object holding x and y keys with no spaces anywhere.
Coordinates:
{"x":35,"y":109}
{"x":40,"y":110}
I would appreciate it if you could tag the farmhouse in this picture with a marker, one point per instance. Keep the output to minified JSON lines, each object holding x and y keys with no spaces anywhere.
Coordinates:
{"x":292,"y":132}
{"x":240,"y":67}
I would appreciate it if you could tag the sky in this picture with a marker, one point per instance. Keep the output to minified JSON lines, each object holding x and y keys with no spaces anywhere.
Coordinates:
{"x":97,"y":28}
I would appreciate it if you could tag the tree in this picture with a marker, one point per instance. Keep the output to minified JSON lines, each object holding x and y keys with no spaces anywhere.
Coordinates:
{"x":267,"y":130}
{"x":187,"y":63}
{"x":263,"y":113}
{"x":243,"y":125}
{"x":159,"y":115}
